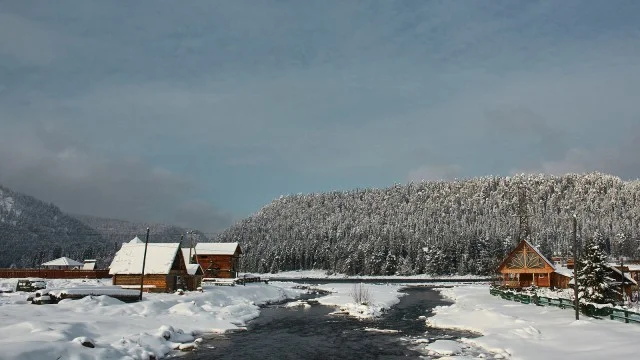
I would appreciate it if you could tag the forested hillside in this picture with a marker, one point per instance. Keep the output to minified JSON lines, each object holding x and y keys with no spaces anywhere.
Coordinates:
{"x":116,"y":231}
{"x":33,"y":232}
{"x":466,"y":226}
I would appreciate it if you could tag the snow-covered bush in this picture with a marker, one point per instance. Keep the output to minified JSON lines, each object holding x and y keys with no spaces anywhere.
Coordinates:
{"x":361,"y":294}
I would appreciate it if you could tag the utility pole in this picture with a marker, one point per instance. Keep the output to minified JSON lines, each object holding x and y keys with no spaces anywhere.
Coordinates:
{"x":524,"y":231}
{"x":575,"y":267}
{"x":622,"y":270}
{"x":190,"y":246}
{"x":144,"y":260}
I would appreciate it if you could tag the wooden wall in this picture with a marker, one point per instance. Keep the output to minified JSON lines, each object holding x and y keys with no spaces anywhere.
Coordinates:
{"x":560,"y":282}
{"x":161,"y":283}
{"x":219,"y":266}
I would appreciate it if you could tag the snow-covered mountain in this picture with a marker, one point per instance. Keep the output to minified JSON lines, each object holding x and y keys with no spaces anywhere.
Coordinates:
{"x":33,"y":231}
{"x":466,"y":226}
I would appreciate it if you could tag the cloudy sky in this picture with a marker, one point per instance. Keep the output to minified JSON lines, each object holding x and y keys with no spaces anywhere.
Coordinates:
{"x":199,"y":113}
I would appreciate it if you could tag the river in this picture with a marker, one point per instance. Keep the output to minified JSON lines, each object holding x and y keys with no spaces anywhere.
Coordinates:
{"x":311,"y":333}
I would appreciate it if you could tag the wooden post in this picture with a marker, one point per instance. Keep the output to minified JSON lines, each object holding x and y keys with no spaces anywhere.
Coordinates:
{"x":622,"y":281}
{"x":144,"y":260}
{"x":575,"y":267}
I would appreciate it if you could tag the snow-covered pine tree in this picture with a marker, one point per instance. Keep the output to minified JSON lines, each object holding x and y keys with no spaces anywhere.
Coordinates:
{"x":593,"y":283}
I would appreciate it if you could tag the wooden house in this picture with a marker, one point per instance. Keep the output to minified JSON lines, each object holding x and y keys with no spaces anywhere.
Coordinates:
{"x":525,"y":266}
{"x":218,"y":260}
{"x":63,"y":263}
{"x":630,"y":284}
{"x":165,"y":269}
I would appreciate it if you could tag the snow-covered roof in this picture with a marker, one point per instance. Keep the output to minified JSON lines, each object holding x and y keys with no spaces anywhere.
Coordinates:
{"x":63,"y":261}
{"x":136,"y":240}
{"x":627,"y":276}
{"x":89,"y":265}
{"x":633,"y":267}
{"x":192,"y":269}
{"x":217,"y":248}
{"x":160,"y":257}
{"x":185,"y":254}
{"x":564,"y":271}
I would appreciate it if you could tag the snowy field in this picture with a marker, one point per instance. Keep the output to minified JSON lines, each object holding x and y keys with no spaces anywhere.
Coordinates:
{"x":157,"y":325}
{"x":520,"y":331}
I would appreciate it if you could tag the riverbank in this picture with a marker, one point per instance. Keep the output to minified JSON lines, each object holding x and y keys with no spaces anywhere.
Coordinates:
{"x":526,"y":331}
{"x":156,"y":325}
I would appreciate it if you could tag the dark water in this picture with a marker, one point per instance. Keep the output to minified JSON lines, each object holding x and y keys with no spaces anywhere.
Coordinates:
{"x":311,"y":333}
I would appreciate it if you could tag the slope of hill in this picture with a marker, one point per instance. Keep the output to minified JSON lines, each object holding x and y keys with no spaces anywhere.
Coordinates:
{"x":116,"y":231}
{"x":466,"y":226}
{"x":32,"y":232}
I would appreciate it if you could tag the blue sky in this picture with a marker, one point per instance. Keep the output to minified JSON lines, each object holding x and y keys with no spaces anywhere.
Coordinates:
{"x":201,"y":112}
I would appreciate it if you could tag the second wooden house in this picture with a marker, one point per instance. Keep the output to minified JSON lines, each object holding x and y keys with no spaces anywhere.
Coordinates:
{"x":218,"y":260}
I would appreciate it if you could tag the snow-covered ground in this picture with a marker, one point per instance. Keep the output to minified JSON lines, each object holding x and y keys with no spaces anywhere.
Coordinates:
{"x":380,"y":297}
{"x":323,"y":274}
{"x":119,"y":330}
{"x":520,"y":331}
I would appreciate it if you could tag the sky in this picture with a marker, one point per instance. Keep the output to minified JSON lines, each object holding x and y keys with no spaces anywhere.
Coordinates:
{"x":199,"y":113}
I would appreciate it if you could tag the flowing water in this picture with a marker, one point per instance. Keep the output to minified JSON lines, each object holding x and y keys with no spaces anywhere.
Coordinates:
{"x":311,"y":333}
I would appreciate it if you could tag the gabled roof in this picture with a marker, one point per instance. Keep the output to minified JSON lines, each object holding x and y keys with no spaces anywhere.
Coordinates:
{"x":540,"y":254}
{"x":528,"y":244}
{"x":136,"y":240}
{"x":185,"y":254}
{"x":627,"y":276}
{"x":160,"y":257}
{"x":63,"y":261}
{"x":218,"y":248}
{"x":194,"y":269}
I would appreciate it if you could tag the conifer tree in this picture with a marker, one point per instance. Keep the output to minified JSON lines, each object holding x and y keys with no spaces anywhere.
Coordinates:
{"x":592,"y":274}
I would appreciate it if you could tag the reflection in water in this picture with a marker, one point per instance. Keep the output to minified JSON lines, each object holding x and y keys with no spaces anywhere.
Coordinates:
{"x":311,"y":333}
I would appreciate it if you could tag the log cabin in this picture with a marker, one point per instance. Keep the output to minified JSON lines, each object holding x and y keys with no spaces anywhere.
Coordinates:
{"x":218,"y":260}
{"x":525,"y":266}
{"x":165,"y":269}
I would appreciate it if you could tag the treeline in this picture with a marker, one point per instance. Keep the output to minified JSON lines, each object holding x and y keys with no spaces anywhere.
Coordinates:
{"x":463,"y":227}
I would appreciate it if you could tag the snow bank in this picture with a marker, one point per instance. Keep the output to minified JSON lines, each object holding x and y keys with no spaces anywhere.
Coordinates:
{"x":381,"y":297}
{"x":155,"y":326}
{"x":527,"y":331}
{"x":323,"y":274}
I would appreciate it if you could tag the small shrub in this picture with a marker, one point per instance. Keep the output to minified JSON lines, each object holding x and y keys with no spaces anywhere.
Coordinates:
{"x":361,"y":294}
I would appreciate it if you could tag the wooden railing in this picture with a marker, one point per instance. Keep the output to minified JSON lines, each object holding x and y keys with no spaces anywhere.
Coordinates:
{"x":587,"y":309}
{"x":54,"y":274}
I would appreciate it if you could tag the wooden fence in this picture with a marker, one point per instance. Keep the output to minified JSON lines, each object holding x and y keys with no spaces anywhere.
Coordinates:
{"x":586,"y":309}
{"x":54,"y":274}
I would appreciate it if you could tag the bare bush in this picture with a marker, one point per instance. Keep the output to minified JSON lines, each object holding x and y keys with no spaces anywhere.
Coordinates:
{"x":361,"y":294}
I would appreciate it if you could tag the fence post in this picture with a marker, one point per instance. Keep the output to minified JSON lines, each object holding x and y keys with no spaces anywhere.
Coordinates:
{"x":626,"y":316}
